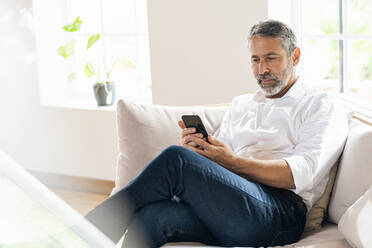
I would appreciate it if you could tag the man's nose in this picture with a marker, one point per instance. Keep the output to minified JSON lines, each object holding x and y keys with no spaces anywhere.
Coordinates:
{"x":262,"y":68}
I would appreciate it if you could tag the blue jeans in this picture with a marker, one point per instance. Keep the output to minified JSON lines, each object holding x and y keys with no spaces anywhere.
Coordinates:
{"x":183,"y":196}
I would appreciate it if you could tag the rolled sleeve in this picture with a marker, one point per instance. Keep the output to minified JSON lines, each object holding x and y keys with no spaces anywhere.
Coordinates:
{"x":301,"y":172}
{"x":320,"y":142}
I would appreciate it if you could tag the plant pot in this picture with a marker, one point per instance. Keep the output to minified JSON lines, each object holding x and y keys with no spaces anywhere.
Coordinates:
{"x":104,"y":93}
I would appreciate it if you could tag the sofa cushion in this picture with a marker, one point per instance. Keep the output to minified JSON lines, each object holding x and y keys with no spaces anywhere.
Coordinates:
{"x":355,"y":224}
{"x":327,"y":237}
{"x":316,"y":215}
{"x":145,"y":130}
{"x":354,"y":174}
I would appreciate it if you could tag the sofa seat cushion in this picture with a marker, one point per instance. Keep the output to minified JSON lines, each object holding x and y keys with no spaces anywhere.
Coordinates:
{"x":326,"y":237}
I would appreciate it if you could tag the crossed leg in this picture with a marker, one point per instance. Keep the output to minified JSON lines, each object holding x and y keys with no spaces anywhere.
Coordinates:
{"x":227,"y":209}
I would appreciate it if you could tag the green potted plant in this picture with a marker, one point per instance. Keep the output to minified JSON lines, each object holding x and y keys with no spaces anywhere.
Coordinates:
{"x":104,"y":88}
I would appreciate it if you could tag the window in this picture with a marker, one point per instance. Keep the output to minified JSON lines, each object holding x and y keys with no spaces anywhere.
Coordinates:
{"x":336,"y":41}
{"x":122,"y":25}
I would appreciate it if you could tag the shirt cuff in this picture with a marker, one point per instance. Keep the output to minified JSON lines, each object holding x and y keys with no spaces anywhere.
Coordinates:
{"x":301,"y":172}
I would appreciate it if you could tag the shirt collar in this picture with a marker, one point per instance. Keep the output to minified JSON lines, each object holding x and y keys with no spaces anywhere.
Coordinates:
{"x":297,"y":91}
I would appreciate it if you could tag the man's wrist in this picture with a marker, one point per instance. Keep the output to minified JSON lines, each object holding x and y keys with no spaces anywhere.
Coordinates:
{"x":236,"y":164}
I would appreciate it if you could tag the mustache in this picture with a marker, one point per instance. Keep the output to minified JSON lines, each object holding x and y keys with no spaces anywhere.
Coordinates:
{"x":266,"y":76}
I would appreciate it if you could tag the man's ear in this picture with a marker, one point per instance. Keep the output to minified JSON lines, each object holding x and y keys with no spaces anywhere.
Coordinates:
{"x":296,"y":54}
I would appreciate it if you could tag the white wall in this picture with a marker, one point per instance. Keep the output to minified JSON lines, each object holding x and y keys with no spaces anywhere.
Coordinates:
{"x":199,"y":51}
{"x":200,"y":42}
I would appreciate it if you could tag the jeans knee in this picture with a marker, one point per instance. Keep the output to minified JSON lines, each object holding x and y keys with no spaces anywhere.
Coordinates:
{"x":175,"y":150}
{"x":182,"y":157}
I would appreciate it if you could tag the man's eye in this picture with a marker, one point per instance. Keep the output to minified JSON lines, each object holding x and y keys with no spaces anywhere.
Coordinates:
{"x":255,"y":60}
{"x":271,"y":58}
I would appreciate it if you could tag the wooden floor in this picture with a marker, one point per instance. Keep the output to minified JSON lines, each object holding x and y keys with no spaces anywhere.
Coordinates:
{"x":83,"y":202}
{"x":81,"y":193}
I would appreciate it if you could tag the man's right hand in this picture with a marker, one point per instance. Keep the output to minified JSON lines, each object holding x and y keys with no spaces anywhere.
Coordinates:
{"x":188,"y":131}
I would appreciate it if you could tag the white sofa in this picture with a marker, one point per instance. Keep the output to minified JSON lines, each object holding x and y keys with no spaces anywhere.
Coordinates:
{"x":145,"y":130}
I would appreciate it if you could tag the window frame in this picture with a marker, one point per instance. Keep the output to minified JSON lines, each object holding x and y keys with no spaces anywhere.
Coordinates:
{"x":294,"y":10}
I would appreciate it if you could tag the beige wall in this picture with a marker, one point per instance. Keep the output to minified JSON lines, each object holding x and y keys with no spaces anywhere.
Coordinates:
{"x":199,"y":55}
{"x":199,"y":51}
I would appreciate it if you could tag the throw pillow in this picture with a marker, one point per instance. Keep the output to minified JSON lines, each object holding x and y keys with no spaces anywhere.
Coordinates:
{"x":145,"y":130}
{"x":354,"y":172}
{"x":316,"y":215}
{"x":356,"y":223}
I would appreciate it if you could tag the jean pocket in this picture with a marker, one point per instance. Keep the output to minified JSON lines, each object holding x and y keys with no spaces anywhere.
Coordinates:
{"x":283,"y":238}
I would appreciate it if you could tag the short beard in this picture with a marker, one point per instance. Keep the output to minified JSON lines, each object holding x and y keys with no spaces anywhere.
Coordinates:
{"x":278,"y":85}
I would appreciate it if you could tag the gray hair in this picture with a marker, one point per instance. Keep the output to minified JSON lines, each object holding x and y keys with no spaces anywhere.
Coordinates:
{"x":278,"y":30}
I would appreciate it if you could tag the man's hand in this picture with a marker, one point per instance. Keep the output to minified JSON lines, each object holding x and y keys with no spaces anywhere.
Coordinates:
{"x":275,"y":173}
{"x":188,"y":132}
{"x":215,"y":150}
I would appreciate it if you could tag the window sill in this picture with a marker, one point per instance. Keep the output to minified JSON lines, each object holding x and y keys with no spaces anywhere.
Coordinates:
{"x":360,"y":107}
{"x":85,"y":104}
{"x":364,"y":102}
{"x":79,"y":105}
{"x":358,"y":97}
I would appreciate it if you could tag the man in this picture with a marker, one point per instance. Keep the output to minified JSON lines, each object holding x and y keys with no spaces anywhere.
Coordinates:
{"x":250,"y":185}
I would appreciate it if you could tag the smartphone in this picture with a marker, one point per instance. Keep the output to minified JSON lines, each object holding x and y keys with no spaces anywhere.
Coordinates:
{"x":196,"y":122}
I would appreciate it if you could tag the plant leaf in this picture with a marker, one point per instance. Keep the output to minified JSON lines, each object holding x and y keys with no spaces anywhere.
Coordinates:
{"x":128,"y":63}
{"x":70,"y":47}
{"x":71,"y":77}
{"x":61,"y":51}
{"x":89,"y":70}
{"x":67,"y":50}
{"x":92,"y":39}
{"x":75,"y":26}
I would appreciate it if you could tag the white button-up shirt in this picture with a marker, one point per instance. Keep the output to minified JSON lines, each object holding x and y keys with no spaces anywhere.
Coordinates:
{"x":304,"y":127}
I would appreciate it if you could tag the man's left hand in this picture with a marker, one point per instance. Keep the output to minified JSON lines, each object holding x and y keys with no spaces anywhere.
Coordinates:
{"x":215,"y":150}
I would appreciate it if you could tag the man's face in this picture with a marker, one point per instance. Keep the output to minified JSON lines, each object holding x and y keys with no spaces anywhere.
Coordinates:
{"x":270,"y":64}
